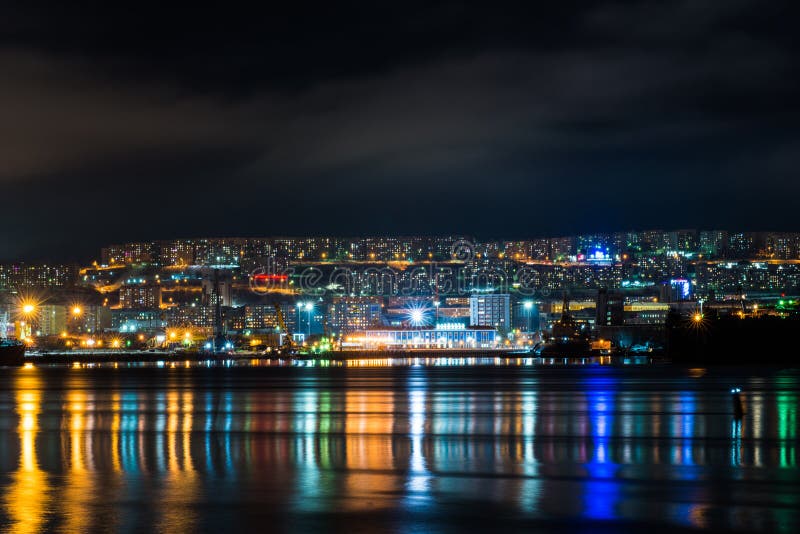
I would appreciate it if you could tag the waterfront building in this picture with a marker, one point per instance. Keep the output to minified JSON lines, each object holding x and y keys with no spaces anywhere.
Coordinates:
{"x":265,"y":317}
{"x":610,"y":308}
{"x":202,"y":316}
{"x":52,"y":319}
{"x":490,"y":310}
{"x":135,"y":320}
{"x":349,"y":314}
{"x":442,"y":336}
{"x":645,"y":313}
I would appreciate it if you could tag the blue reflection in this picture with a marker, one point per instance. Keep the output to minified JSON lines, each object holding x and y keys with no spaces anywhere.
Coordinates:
{"x":736,"y":442}
{"x":602,"y":492}
{"x":684,"y":428}
{"x":418,"y":483}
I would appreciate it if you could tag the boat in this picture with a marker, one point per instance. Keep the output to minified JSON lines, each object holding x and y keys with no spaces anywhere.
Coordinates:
{"x":12,"y":352}
{"x":567,"y":339}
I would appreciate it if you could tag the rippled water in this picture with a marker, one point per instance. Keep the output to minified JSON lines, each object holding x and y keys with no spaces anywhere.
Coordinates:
{"x":412,"y":448}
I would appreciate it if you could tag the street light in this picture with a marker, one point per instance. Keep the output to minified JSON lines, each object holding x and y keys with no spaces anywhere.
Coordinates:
{"x":309,"y":308}
{"x":28,"y":310}
{"x":436,"y":305}
{"x":77,"y":312}
{"x":528,"y":305}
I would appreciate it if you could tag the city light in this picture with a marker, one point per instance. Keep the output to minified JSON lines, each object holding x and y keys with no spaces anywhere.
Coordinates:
{"x":418,"y":314}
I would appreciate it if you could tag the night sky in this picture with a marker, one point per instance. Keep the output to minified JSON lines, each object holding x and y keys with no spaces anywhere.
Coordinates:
{"x":143,"y":122}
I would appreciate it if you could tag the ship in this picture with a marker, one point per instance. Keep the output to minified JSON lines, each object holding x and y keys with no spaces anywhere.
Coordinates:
{"x":12,"y":352}
{"x":567,"y":338}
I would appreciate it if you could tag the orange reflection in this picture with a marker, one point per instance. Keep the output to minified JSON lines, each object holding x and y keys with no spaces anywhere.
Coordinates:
{"x":181,"y":486}
{"x":368,"y":440}
{"x":28,"y":496}
{"x":79,"y":491}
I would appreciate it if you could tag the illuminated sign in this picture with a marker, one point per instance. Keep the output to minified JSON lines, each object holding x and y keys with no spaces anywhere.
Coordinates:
{"x":682,"y":285}
{"x":450,"y":326}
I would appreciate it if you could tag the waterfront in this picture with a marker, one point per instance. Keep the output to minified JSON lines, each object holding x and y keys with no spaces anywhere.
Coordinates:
{"x":406,"y":448}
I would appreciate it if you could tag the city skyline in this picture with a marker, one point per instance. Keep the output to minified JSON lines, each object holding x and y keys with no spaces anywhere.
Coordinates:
{"x":438,"y":266}
{"x":697,"y":235}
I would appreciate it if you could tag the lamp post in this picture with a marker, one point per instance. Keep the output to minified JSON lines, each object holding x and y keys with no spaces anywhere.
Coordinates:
{"x":77,"y":311}
{"x":436,"y":304}
{"x":528,"y":305}
{"x":309,"y":308}
{"x":28,"y":309}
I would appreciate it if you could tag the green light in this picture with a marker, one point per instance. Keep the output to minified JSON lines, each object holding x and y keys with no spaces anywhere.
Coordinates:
{"x":787,"y":429}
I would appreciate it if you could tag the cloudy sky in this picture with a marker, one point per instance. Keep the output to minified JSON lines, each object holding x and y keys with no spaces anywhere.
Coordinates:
{"x":145,"y":122}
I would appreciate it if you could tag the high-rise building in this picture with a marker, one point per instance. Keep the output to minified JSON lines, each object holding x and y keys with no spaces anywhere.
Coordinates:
{"x":135,"y":296}
{"x":490,"y":310}
{"x":740,"y":245}
{"x":265,"y":317}
{"x":52,"y":319}
{"x":349,"y":314}
{"x":610,"y":308}
{"x":39,"y":276}
{"x":713,"y":242}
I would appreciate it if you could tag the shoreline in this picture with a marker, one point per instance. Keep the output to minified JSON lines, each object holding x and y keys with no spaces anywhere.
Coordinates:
{"x":477,"y":357}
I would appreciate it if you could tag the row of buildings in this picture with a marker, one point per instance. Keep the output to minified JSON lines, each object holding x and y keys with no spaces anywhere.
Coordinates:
{"x":708,"y":279}
{"x":712,"y":244}
{"x":449,"y":290}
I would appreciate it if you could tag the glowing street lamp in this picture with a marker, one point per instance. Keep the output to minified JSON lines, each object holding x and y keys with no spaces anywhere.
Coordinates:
{"x":417,"y":315}
{"x":309,"y":306}
{"x":528,"y":305}
{"x":28,"y":311}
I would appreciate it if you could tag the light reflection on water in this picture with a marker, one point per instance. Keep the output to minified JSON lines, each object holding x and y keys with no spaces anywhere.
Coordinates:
{"x":189,"y":449}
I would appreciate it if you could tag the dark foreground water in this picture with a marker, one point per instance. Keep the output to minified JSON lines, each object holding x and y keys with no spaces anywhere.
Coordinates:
{"x":402,"y":449}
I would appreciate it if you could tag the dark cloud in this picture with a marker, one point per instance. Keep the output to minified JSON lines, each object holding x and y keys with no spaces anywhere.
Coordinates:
{"x":150,"y":122}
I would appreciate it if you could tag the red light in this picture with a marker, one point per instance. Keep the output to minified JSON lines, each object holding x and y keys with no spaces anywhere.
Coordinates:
{"x":271,"y":277}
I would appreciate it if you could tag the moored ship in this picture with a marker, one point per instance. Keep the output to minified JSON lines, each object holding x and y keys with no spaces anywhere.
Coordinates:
{"x":567,"y":339}
{"x":12,"y":352}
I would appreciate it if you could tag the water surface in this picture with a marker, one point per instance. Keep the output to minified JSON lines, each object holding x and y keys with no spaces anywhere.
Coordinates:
{"x":406,"y":449}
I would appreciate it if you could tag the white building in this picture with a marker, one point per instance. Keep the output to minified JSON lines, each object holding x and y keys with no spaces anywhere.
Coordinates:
{"x":490,"y":310}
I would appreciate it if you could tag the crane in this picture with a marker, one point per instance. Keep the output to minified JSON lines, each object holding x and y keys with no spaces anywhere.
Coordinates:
{"x":288,"y":343}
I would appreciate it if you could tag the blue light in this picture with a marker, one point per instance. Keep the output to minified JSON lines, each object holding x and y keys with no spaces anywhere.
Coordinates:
{"x":417,"y":314}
